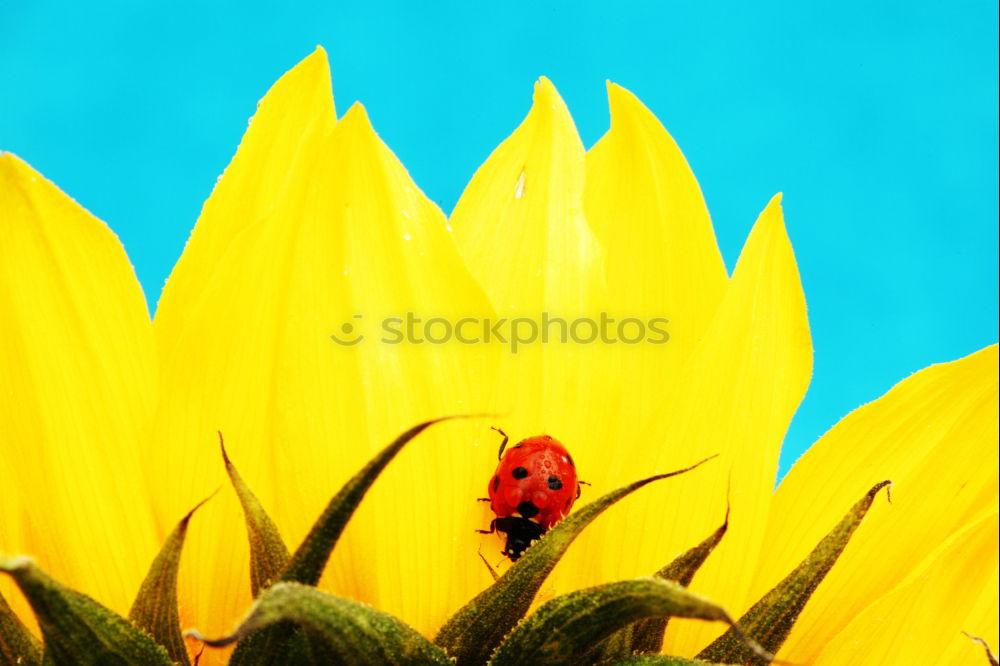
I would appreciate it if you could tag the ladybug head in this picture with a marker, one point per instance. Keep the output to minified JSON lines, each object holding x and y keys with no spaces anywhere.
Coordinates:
{"x":521,"y":533}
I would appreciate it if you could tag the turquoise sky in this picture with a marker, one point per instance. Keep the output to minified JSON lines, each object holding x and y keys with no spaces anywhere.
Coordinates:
{"x":878,"y":120}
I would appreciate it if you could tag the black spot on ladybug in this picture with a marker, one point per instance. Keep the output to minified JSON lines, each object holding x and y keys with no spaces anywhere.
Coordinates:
{"x":527,"y":509}
{"x":496,"y":483}
{"x":519,"y":472}
{"x":554,"y":483}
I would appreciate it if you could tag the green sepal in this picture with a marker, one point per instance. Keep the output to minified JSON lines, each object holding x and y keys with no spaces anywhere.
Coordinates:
{"x":616,"y":646}
{"x":471,"y":634}
{"x":17,"y":644}
{"x":268,"y":552}
{"x":569,"y":628}
{"x":991,"y":656}
{"x":770,"y":620}
{"x":310,"y":558}
{"x":155,"y":607}
{"x":660,"y":660}
{"x":345,"y":631}
{"x":647,"y":635}
{"x":76,"y":630}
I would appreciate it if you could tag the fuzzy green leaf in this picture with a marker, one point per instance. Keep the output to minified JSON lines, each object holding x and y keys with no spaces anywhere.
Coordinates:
{"x":618,"y":645}
{"x":770,"y":620}
{"x":76,"y":630}
{"x":347,"y":632}
{"x":471,"y":635}
{"x":647,"y":635}
{"x":660,"y":660}
{"x":17,"y":644}
{"x":307,"y":564}
{"x":309,"y":560}
{"x":568,"y":628}
{"x":268,"y":553}
{"x":155,"y":607}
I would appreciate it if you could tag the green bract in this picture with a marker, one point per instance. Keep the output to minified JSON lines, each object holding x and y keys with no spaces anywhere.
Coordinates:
{"x":292,"y":621}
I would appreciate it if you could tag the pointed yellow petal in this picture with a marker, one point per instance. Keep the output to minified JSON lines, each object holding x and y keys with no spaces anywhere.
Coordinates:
{"x":390,"y":232}
{"x":662,"y":260}
{"x":270,"y":167}
{"x":252,"y":355}
{"x":521,"y":230}
{"x":934,"y":435}
{"x":645,"y":206}
{"x":299,"y":105}
{"x":735,"y":397}
{"x":520,"y":225}
{"x":922,"y":620}
{"x":77,"y":369}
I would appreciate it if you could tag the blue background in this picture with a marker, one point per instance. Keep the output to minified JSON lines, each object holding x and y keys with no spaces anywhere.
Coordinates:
{"x":877,"y":120}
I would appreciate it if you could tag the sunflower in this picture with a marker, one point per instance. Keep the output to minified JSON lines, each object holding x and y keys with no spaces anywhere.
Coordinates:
{"x":313,"y":317}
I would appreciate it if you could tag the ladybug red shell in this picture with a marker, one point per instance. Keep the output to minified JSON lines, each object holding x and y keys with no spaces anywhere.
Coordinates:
{"x":533,"y":488}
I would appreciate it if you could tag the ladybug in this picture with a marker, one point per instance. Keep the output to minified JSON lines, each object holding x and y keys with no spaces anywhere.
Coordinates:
{"x":533,"y":488}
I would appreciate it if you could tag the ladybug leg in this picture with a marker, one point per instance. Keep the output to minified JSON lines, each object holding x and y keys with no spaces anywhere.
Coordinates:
{"x":493,"y":528}
{"x":503,"y":444}
{"x":493,"y":572}
{"x":578,"y":484}
{"x":482,"y":499}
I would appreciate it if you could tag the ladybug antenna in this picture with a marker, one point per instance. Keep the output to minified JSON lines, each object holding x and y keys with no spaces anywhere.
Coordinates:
{"x":503,"y":444}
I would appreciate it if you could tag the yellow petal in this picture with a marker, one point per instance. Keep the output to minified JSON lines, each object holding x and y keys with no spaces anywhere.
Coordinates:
{"x":269,"y":170}
{"x":520,"y":225}
{"x":735,"y":397}
{"x":982,"y":621}
{"x":77,"y":369}
{"x":646,"y":208}
{"x":298,"y":105}
{"x":253,"y":356}
{"x":521,"y":230}
{"x":934,"y":435}
{"x":922,"y":620}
